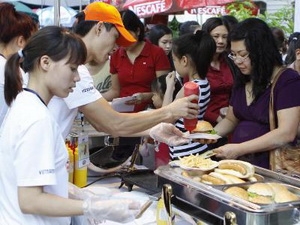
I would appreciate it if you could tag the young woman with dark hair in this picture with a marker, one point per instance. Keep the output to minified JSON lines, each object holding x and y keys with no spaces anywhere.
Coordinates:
{"x":162,"y":36}
{"x":34,"y":177}
{"x":255,"y":54}
{"x":134,"y":68}
{"x":192,"y":55}
{"x":15,"y":29}
{"x":220,"y":72}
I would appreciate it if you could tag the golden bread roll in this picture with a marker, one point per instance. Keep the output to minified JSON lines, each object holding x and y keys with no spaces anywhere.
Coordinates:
{"x":261,"y":193}
{"x":237,"y":192}
{"x":237,"y":168}
{"x":282,"y":194}
{"x":203,"y":127}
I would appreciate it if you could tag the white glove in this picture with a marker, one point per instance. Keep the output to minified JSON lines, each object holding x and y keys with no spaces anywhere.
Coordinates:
{"x":78,"y":193}
{"x":114,"y":209}
{"x":168,"y":133}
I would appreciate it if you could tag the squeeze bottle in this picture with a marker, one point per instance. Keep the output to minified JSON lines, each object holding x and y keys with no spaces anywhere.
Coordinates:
{"x":164,"y":212}
{"x":190,"y":88}
{"x":80,"y":172}
{"x":71,"y":165}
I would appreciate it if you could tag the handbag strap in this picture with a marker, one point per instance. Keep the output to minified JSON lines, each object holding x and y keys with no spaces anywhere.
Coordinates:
{"x":271,"y":102}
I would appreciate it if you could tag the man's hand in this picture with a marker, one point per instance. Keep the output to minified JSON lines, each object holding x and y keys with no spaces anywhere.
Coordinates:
{"x":184,"y":107}
{"x":168,"y":133}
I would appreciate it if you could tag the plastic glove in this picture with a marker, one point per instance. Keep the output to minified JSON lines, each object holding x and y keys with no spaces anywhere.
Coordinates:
{"x":78,"y":193}
{"x":168,"y":133}
{"x":114,"y":209}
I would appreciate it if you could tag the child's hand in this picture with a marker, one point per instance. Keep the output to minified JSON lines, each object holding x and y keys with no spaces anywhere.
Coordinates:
{"x":137,"y":99}
{"x":171,"y":80}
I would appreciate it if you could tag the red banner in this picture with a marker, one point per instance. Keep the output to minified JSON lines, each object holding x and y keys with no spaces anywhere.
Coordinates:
{"x":147,"y":8}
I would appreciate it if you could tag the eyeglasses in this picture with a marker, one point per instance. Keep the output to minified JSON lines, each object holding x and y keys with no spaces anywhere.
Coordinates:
{"x":238,"y":58}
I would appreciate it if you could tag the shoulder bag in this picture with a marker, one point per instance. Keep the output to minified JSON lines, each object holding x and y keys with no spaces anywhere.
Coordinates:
{"x":285,"y":159}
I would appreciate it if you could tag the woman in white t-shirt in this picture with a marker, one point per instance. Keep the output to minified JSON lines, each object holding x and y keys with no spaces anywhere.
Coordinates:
{"x":33,"y":157}
{"x":15,"y":29}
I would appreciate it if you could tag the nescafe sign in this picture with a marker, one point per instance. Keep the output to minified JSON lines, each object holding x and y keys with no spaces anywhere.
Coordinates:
{"x":209,"y":10}
{"x":147,"y":9}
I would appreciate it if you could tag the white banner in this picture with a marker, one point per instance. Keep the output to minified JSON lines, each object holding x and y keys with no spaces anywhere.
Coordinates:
{"x":297,"y":16}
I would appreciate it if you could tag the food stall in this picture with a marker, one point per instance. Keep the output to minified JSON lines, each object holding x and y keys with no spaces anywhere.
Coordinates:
{"x":211,"y":204}
{"x":200,"y":202}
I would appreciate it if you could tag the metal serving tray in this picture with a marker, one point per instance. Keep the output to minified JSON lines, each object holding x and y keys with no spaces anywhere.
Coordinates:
{"x":212,"y":202}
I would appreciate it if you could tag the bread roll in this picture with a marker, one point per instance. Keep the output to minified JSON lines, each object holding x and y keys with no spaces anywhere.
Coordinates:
{"x":237,"y":168}
{"x":209,"y":179}
{"x":203,"y":127}
{"x":261,"y":193}
{"x":282,"y":194}
{"x":237,"y":192}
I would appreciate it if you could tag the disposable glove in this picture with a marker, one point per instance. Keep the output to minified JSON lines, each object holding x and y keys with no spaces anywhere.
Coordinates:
{"x":115,"y":209}
{"x":78,"y":193}
{"x":168,"y":133}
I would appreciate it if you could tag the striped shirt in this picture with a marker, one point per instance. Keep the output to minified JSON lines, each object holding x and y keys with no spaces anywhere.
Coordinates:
{"x":193,"y":148}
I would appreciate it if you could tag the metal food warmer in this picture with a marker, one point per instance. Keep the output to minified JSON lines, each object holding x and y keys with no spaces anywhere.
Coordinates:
{"x":211,"y":205}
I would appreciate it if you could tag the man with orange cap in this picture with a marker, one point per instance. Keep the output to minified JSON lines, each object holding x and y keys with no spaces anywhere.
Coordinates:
{"x":101,"y":28}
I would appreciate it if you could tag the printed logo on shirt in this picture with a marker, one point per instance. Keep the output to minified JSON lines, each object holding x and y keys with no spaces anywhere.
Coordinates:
{"x":47,"y":171}
{"x":89,"y":88}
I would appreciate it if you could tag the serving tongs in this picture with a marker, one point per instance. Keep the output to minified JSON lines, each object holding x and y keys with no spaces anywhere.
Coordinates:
{"x":167,"y":195}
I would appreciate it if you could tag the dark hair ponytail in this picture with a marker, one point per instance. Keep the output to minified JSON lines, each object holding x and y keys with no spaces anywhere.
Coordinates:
{"x":13,"y":78}
{"x":53,"y":41}
{"x":200,"y":47}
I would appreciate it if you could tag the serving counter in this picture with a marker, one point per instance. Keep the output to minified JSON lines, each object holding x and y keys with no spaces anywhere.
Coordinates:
{"x":210,"y":203}
{"x":197,"y":202}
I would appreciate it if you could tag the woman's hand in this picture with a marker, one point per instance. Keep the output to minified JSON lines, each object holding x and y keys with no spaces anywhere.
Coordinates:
{"x":228,"y":151}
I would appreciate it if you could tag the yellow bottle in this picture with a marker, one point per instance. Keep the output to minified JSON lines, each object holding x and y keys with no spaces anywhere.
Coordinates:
{"x":164,"y":212}
{"x":161,"y":213}
{"x":80,"y":173}
{"x":71,"y":165}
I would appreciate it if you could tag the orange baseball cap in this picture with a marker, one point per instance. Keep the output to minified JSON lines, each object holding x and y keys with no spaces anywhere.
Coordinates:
{"x":104,"y":12}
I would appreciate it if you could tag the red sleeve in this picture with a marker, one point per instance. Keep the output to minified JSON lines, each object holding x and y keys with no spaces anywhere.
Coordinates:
{"x":113,"y":62}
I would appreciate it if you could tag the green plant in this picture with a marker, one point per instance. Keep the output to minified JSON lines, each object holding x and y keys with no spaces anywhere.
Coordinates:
{"x":240,"y":9}
{"x":174,"y":26}
{"x":283,"y":18}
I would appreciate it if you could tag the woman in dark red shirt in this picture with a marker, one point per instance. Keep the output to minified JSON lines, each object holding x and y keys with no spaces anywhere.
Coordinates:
{"x":220,"y":74}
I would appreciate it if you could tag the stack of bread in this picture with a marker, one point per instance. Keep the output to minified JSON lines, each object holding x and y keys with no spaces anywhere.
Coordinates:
{"x":264,"y":193}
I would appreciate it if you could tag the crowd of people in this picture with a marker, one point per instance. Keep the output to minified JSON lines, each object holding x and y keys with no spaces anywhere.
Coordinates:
{"x":45,"y":80}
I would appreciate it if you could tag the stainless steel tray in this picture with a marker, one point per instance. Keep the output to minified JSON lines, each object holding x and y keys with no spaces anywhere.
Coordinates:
{"x":214,"y":201}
